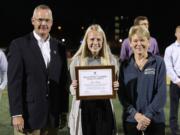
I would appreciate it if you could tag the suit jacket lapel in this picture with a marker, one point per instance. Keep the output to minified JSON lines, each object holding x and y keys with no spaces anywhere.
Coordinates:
{"x":55,"y":62}
{"x":53,"y":51}
{"x":37,"y":52}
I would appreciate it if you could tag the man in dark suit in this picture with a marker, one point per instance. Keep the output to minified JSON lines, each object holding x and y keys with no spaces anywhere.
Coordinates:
{"x":37,"y":78}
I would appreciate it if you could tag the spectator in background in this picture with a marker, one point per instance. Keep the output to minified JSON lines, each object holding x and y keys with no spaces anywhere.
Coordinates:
{"x":38,"y":79}
{"x":172,"y":61}
{"x":3,"y":72}
{"x":126,"y":50}
{"x":92,"y":117}
{"x":142,"y":87}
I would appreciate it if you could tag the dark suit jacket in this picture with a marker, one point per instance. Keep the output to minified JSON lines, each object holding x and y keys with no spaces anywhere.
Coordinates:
{"x":34,"y":91}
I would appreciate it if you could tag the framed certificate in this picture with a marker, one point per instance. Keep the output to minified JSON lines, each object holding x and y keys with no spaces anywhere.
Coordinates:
{"x":95,"y":82}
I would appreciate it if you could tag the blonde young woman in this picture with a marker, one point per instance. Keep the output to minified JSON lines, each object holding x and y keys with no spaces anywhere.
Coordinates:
{"x":92,"y":117}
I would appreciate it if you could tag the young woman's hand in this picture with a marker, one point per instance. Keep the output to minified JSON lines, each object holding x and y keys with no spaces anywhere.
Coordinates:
{"x":116,"y":85}
{"x":74,"y":84}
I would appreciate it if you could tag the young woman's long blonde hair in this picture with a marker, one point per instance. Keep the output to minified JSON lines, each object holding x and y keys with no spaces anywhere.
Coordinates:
{"x":83,"y":52}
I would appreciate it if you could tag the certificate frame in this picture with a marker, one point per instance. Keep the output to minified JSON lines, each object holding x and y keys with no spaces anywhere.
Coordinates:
{"x":106,"y":73}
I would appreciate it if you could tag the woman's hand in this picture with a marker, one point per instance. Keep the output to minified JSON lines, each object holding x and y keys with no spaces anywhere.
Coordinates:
{"x":74,"y":84}
{"x":143,"y":121}
{"x":116,"y":85}
{"x":73,"y":87}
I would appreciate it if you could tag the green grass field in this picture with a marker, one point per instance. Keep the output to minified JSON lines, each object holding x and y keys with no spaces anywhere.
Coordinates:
{"x":6,"y":128}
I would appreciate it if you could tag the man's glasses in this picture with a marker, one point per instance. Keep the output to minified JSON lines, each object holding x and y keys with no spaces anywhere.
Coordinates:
{"x":40,"y":20}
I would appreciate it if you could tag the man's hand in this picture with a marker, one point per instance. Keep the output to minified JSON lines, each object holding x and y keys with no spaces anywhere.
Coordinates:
{"x":63,"y":120}
{"x":178,"y":84}
{"x":18,"y":123}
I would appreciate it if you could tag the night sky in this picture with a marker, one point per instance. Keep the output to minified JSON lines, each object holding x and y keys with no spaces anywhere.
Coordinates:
{"x":71,"y":16}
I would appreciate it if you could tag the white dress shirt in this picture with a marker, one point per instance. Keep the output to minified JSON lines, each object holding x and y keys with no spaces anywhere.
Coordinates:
{"x":44,"y":47}
{"x":3,"y":70}
{"x":172,"y":61}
